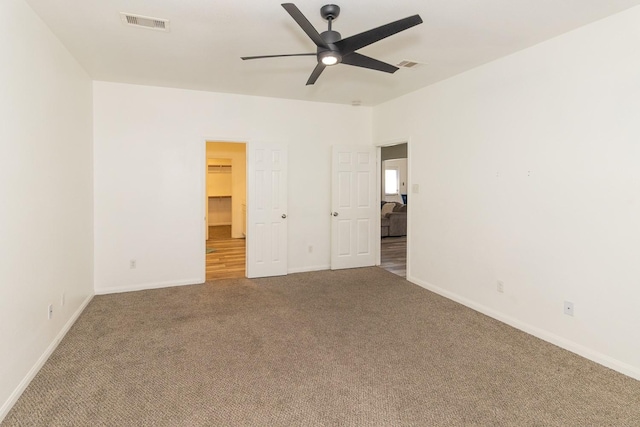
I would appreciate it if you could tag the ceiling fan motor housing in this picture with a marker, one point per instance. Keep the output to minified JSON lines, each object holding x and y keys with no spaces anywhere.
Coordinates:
{"x":330,"y":37}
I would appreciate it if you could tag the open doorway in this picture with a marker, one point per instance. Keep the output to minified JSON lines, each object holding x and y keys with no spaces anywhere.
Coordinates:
{"x":393,"y":208}
{"x":225,"y":210}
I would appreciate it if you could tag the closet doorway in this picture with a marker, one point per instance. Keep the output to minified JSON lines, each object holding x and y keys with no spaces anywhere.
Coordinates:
{"x":225,"y":210}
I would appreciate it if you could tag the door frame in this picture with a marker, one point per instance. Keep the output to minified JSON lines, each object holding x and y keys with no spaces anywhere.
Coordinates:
{"x":379,"y":146}
{"x":203,"y":187}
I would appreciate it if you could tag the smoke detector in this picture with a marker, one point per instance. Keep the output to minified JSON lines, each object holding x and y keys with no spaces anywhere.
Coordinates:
{"x":147,"y":22}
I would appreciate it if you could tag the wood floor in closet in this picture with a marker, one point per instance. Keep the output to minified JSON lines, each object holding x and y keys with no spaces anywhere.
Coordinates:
{"x":227,"y":261}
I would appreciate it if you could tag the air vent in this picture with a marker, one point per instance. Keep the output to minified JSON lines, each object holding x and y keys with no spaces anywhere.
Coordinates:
{"x":145,"y":22}
{"x":408,"y":64}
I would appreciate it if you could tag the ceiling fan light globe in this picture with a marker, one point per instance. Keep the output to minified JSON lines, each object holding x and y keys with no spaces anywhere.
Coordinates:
{"x":330,"y":58}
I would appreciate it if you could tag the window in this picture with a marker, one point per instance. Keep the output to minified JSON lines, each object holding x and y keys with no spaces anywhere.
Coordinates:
{"x":391,"y":181}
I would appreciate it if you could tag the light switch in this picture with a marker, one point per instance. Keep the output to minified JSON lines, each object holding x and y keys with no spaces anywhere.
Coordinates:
{"x":415,"y":188}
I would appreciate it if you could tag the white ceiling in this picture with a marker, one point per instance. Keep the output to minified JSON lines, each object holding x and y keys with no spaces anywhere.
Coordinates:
{"x":207,"y":37}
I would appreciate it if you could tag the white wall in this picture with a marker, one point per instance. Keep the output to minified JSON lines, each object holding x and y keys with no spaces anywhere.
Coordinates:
{"x":149,"y":177}
{"x":46,"y":201}
{"x":529,"y":173}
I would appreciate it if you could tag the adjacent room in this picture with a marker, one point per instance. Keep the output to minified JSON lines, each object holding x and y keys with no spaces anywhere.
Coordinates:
{"x":393,"y":208}
{"x":254,"y":213}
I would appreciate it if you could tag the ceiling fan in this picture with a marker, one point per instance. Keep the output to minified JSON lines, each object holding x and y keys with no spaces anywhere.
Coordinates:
{"x":333,"y":49}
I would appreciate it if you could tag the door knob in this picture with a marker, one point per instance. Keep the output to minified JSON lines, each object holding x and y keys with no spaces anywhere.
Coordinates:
{"x":284,"y":216}
{"x":335,"y":214}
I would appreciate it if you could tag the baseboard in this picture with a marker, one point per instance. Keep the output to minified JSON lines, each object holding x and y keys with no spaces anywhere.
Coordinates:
{"x":307,"y":269}
{"x":147,"y":286}
{"x":13,"y":398}
{"x":587,"y":353}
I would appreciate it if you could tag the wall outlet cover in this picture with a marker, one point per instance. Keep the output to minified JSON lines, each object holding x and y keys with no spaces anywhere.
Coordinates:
{"x":568,"y":308}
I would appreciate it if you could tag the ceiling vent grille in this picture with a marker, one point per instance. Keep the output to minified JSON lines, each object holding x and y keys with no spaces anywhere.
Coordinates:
{"x":408,"y":64}
{"x":145,"y":22}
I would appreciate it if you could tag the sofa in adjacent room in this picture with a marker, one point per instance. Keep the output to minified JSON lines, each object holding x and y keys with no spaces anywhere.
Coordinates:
{"x":393,"y":219}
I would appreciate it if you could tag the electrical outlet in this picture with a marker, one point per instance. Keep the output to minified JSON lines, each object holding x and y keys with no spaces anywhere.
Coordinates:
{"x":50,"y":312}
{"x":133,"y":263}
{"x":500,"y":286}
{"x":568,"y":308}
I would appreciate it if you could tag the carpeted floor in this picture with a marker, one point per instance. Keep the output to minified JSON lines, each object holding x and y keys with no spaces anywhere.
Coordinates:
{"x":351,"y":348}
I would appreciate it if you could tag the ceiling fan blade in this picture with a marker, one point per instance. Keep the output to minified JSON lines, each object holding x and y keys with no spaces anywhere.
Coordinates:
{"x":304,"y":23}
{"x":359,"y":60}
{"x":277,"y":56}
{"x":316,"y":73}
{"x":353,"y":43}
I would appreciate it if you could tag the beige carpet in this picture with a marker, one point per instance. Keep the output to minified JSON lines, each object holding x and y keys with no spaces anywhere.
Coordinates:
{"x":351,"y":348}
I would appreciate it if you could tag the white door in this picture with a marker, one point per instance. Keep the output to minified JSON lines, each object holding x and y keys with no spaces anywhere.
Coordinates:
{"x":267,"y":211}
{"x":354,"y":224}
